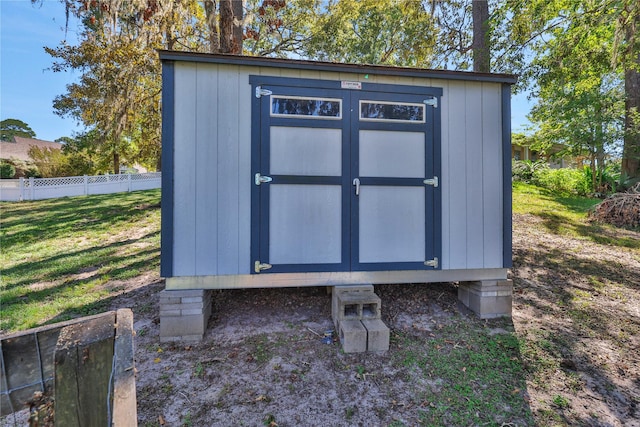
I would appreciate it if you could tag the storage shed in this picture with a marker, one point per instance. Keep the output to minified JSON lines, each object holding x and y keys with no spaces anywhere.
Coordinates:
{"x":297,"y":173}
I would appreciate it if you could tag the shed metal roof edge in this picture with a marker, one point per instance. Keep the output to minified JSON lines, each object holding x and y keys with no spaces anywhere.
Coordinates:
{"x":261,"y":61}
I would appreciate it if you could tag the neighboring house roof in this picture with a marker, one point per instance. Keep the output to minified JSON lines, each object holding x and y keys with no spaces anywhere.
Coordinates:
{"x":19,"y":147}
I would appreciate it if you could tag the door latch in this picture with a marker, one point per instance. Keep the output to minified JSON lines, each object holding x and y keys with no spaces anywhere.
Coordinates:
{"x":356,"y":183}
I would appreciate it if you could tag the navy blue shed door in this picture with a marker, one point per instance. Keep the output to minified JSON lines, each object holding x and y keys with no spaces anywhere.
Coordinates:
{"x":344,"y":180}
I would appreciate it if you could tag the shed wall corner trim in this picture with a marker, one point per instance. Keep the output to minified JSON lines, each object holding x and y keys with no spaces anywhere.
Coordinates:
{"x":166,"y":234}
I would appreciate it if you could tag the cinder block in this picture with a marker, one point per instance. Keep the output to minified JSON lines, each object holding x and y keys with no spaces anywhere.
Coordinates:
{"x":377,"y":335}
{"x":190,"y":300}
{"x":174,"y":327}
{"x":165,"y":299}
{"x":353,"y":336}
{"x":353,"y":288}
{"x":488,"y":299}
{"x":355,"y":306}
{"x":184,"y":314}
{"x":191,"y":306}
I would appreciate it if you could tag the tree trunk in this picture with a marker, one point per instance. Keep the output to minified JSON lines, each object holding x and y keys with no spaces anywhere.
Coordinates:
{"x":116,"y":162}
{"x":212,"y":23}
{"x":237,"y":26}
{"x":631,"y":150}
{"x":226,"y":26}
{"x":481,"y":39}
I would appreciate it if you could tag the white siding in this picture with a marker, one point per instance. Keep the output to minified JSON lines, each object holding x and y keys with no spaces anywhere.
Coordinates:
{"x":212,"y":155}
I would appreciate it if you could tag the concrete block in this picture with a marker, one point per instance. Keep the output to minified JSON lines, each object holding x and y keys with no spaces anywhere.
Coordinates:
{"x":165,"y":299}
{"x":174,"y":327}
{"x":353,"y":288}
{"x":377,"y":335}
{"x":353,"y":336}
{"x":488,"y":299}
{"x":173,"y":312}
{"x":189,"y":300}
{"x":184,"y":314}
{"x":355,"y":306}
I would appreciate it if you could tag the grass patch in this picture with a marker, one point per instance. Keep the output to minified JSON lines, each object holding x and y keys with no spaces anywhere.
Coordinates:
{"x":60,"y":257}
{"x":468,"y":376}
{"x":567,"y":216}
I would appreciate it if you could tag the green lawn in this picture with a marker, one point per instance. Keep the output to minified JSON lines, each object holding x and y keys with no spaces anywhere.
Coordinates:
{"x":63,"y":258}
{"x":566,"y":216}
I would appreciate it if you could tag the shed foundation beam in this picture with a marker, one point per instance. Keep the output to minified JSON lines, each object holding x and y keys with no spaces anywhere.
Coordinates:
{"x":487,"y":298}
{"x":184,"y":314}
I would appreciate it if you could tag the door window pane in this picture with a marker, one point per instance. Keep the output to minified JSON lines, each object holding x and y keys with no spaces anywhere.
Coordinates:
{"x":396,"y":111}
{"x":318,"y":108}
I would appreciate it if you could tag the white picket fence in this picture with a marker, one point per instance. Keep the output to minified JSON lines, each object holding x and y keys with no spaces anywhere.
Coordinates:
{"x":12,"y":190}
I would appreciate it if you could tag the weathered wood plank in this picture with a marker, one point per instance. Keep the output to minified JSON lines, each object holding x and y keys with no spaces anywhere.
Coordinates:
{"x":13,"y":350}
{"x":83,"y":363}
{"x":124,"y":383}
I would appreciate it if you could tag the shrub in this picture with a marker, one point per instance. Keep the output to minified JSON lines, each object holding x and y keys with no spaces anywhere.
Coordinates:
{"x":524,"y":170}
{"x":563,"y":181}
{"x":7,"y":170}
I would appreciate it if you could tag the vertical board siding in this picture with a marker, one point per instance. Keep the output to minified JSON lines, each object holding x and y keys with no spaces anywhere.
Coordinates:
{"x":244,"y":173}
{"x":212,"y":138}
{"x":206,"y":159}
{"x":474,"y":114}
{"x":455,"y":118}
{"x":492,"y":185}
{"x":184,"y":196}
{"x":444,"y":177}
{"x":227,"y":171}
{"x":472,"y":224}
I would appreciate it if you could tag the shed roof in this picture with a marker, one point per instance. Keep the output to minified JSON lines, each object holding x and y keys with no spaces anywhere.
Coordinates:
{"x":260,"y":61}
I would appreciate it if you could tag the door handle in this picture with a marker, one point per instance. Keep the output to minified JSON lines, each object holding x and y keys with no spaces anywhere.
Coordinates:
{"x":356,"y":183}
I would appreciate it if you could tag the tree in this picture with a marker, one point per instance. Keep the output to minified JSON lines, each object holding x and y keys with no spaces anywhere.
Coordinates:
{"x":481,"y":36}
{"x":51,"y":162}
{"x":118,"y":94}
{"x":14,"y":127}
{"x":612,"y":23}
{"x":373,"y":32}
{"x":7,"y":170}
{"x":629,"y":25}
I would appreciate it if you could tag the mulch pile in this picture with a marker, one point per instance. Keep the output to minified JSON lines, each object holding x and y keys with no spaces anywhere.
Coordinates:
{"x":620,"y":209}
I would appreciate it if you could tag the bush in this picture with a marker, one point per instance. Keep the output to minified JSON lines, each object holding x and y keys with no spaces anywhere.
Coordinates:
{"x":524,"y":170}
{"x":563,"y":182}
{"x":7,"y":170}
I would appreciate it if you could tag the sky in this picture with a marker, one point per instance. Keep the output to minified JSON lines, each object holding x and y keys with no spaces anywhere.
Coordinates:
{"x":28,"y":86}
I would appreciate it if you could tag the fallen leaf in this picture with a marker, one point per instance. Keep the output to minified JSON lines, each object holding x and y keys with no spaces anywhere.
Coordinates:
{"x":464,"y":369}
{"x":161,"y":420}
{"x":160,"y":350}
{"x":156,"y":360}
{"x":515,"y":391}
